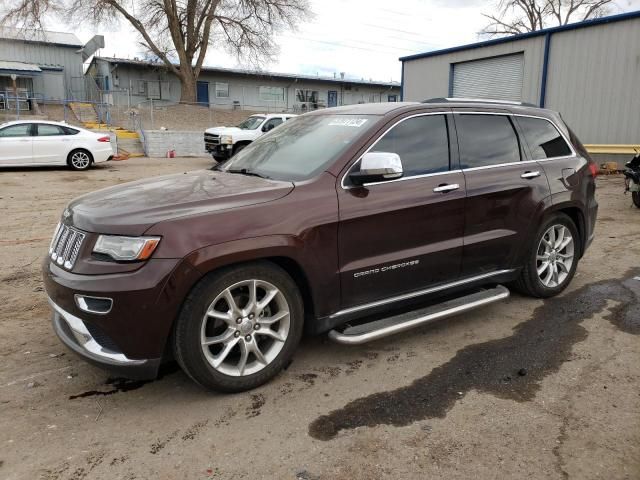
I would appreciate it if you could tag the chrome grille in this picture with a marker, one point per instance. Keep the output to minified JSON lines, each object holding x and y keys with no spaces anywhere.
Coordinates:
{"x":65,"y":246}
{"x":211,"y":138}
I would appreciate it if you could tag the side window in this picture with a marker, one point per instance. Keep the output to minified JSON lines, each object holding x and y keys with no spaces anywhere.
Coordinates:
{"x":486,"y":140}
{"x":45,"y":130}
{"x":543,"y":138}
{"x":21,"y":130}
{"x":70,"y":131}
{"x":421,"y":142}
{"x":271,"y":124}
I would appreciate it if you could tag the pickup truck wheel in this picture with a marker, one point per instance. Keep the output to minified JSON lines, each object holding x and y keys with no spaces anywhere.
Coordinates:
{"x":239,"y":327}
{"x":553,"y":260}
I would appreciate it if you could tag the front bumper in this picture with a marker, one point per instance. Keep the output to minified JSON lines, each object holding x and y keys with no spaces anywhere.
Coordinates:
{"x":219,"y":151}
{"x":73,"y":332}
{"x":131,"y":336}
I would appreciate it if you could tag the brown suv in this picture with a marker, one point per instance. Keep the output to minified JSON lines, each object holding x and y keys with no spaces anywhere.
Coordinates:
{"x":360,"y":221}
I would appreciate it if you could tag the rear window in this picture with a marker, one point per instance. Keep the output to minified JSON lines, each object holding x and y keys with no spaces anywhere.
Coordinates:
{"x":543,"y":138}
{"x":486,"y":140}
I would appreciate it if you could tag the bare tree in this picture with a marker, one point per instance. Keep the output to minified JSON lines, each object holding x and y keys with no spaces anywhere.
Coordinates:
{"x":178,"y":32}
{"x":520,"y":16}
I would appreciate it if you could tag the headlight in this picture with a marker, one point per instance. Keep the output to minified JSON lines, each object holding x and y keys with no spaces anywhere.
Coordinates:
{"x":226,"y":140}
{"x":126,"y":248}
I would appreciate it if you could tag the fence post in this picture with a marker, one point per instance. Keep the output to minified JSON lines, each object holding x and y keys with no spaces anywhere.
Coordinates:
{"x":18,"y":106}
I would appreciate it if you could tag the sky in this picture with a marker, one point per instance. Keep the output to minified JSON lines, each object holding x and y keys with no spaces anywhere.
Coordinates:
{"x":362,"y":38}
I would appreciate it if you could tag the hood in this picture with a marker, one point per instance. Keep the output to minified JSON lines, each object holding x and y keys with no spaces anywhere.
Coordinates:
{"x":224,"y":130}
{"x":132,"y":208}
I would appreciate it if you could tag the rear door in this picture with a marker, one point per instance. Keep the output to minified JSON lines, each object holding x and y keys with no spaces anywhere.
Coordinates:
{"x":50,"y":144}
{"x":16,"y":144}
{"x":505,"y":191}
{"x":401,"y":235}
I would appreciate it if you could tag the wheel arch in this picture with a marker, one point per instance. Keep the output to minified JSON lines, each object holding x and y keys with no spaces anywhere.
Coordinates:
{"x":577,"y":216}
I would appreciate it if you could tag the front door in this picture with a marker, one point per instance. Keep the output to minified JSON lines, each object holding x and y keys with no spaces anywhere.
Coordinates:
{"x":332,"y":98}
{"x":399,"y":236}
{"x":505,"y":192}
{"x":16,"y":144}
{"x":203,"y":92}
{"x":50,"y":144}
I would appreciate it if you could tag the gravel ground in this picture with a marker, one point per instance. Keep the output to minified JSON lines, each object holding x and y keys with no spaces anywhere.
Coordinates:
{"x":520,"y":389}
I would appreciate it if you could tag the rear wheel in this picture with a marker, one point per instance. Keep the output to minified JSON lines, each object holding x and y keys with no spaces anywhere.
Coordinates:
{"x":239,"y":327}
{"x":636,"y":198}
{"x":553,"y":260}
{"x":80,"y":159}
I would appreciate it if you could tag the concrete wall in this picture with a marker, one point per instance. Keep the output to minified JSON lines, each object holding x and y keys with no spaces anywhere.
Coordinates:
{"x":243,"y":89}
{"x":186,"y":144}
{"x":592,"y":78}
{"x":48,"y":83}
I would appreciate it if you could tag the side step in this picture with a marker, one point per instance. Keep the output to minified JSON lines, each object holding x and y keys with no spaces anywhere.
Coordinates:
{"x":368,"y":332}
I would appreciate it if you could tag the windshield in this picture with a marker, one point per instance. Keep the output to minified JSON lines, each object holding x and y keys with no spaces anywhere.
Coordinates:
{"x":301,"y":147}
{"x":251,"y":123}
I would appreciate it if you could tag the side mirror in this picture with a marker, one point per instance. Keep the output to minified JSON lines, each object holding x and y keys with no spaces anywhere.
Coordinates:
{"x":377,"y":167}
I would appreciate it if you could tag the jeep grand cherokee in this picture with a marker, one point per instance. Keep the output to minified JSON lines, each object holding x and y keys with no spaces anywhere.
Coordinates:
{"x":339,"y":221}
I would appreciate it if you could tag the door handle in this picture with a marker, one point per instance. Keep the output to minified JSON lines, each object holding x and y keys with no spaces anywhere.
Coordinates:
{"x":446,"y":188}
{"x":533,"y":174}
{"x":25,"y":139}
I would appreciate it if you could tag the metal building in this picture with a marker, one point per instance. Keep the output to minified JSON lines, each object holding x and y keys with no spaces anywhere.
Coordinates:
{"x":46,"y":65}
{"x":120,"y":81}
{"x":588,"y":71}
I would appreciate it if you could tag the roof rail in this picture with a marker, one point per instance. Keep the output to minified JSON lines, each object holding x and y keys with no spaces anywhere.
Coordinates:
{"x":477,"y":100}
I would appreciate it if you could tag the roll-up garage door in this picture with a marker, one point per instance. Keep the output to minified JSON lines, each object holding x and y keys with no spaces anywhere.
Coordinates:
{"x":497,"y":78}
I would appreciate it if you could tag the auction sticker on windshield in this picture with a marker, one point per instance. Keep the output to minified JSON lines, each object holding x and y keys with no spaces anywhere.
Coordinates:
{"x":348,"y":122}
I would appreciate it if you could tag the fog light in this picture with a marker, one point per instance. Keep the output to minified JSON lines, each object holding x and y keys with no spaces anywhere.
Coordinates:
{"x":99,"y":305}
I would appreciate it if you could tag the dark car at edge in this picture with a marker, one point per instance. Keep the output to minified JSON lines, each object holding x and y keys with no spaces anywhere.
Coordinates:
{"x":361,"y":221}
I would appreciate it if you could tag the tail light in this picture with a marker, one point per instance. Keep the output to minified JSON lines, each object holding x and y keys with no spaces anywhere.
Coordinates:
{"x":593,"y":169}
{"x":104,"y":139}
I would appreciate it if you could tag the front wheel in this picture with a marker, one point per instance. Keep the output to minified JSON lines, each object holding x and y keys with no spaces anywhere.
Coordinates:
{"x":635,"y":196}
{"x":552,"y":262}
{"x":239,"y":327}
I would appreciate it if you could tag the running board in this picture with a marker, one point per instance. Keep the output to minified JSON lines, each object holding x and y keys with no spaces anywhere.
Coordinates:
{"x":368,"y":332}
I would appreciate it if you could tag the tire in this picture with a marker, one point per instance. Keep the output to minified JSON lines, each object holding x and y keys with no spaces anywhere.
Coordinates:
{"x":207,"y":316}
{"x":562,"y":260}
{"x":237,"y":148}
{"x":635,"y":196}
{"x":80,"y":159}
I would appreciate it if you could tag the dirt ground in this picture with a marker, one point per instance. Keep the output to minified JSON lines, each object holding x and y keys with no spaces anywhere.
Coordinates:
{"x":520,"y":389}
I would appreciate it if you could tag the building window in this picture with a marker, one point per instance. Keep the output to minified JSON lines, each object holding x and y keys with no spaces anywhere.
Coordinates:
{"x":222,"y":90}
{"x":142,"y":87}
{"x":310,"y":96}
{"x":272,"y":94}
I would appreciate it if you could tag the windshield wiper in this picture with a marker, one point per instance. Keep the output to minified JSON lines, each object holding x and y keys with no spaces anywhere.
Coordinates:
{"x":244,"y":171}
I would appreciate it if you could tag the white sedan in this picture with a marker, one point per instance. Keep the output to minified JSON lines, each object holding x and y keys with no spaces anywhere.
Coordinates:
{"x":40,"y":143}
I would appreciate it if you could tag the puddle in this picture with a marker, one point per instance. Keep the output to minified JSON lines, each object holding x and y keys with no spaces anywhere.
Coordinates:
{"x":119,"y":384}
{"x":509,"y":368}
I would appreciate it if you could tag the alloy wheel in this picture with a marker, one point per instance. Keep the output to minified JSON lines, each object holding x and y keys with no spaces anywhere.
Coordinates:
{"x":80,"y":160}
{"x":245,"y":327}
{"x":555,"y":256}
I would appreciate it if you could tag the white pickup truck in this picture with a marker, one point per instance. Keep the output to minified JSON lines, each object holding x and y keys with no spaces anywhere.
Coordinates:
{"x":224,"y":142}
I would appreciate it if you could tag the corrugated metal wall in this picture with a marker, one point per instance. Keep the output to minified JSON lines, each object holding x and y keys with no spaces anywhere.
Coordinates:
{"x":42,"y":54}
{"x":594,"y":81}
{"x":429,"y":77}
{"x":593,"y":78}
